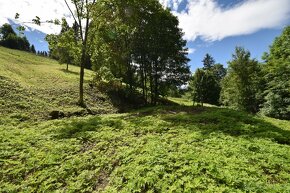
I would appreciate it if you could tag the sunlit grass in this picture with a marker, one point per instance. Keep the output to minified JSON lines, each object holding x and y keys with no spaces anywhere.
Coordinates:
{"x":162,"y":149}
{"x":33,"y":86}
{"x":187,"y":102}
{"x":177,"y":148}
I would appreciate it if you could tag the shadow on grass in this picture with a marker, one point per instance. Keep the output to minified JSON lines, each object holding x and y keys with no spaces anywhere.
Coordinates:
{"x":172,"y":109}
{"x":77,"y":128}
{"x":69,"y":72}
{"x":230,"y":122}
{"x":206,"y":120}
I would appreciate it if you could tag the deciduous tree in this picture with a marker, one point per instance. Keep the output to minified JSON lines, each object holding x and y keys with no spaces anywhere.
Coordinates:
{"x":277,"y":70}
{"x":242,"y":87}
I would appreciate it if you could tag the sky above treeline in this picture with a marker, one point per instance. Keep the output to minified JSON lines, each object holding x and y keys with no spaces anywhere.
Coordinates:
{"x":209,"y":26}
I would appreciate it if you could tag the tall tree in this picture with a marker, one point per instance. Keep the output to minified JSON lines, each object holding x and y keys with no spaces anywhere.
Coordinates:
{"x":32,"y":49}
{"x":242,"y":87}
{"x":208,"y":62}
{"x":83,"y":18}
{"x":277,"y":70}
{"x":209,"y":77}
{"x":147,"y":47}
{"x":6,"y":30}
{"x":9,"y":39}
{"x":198,"y":85}
{"x":65,"y":47}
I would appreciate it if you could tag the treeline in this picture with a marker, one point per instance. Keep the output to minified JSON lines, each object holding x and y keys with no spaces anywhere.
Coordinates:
{"x":42,"y":53}
{"x":137,"y":43}
{"x":9,"y":39}
{"x":247,"y":84}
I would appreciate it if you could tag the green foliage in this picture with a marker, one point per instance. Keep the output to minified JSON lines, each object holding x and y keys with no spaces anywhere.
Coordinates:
{"x":155,"y":149}
{"x":242,"y":87}
{"x":208,"y":61}
{"x":206,"y":82}
{"x":9,"y":39}
{"x":65,"y":47}
{"x":160,"y":149}
{"x":32,"y":49}
{"x":138,"y":41}
{"x":199,"y":84}
{"x":6,"y":30}
{"x":277,"y":70}
{"x":142,"y":46}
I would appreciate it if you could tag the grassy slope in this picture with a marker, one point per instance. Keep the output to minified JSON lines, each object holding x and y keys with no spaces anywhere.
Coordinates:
{"x":33,"y":86}
{"x":158,"y":149}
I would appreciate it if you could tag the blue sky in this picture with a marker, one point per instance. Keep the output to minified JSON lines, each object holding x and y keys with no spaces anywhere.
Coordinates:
{"x":210,"y":26}
{"x":257,"y":43}
{"x":248,"y":26}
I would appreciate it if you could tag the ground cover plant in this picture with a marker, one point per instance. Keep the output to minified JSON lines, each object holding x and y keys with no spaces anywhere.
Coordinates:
{"x":158,"y":149}
{"x":173,"y":148}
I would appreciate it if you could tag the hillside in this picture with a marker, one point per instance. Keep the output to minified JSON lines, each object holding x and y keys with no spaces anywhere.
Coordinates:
{"x":176,"y":148}
{"x":33,"y":86}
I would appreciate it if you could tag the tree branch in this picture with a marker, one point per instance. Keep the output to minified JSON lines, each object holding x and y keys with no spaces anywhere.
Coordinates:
{"x":80,"y":21}
{"x":71,"y":11}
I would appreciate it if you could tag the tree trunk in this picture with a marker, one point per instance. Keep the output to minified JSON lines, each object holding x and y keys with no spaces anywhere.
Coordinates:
{"x":155,"y":84}
{"x":151,"y":87}
{"x":155,"y":89}
{"x":145,"y":85}
{"x":82,"y":73}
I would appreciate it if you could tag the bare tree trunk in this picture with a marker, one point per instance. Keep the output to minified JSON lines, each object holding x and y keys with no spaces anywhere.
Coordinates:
{"x":145,"y":85}
{"x":82,"y":74}
{"x":155,"y":82}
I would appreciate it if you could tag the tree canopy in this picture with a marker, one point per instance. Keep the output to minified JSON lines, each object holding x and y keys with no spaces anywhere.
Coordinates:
{"x":277,"y":73}
{"x":242,"y":86}
{"x":9,"y":39}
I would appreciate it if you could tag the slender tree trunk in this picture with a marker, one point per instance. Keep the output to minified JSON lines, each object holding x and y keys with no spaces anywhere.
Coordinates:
{"x":155,"y":84}
{"x":82,"y":74}
{"x":142,"y":79}
{"x":151,"y":86}
{"x":80,"y":10}
{"x":67,"y":67}
{"x":129,"y":75}
{"x":145,"y":85}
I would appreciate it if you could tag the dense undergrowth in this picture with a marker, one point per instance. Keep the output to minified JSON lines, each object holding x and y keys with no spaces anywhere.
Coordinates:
{"x":161,"y":149}
{"x":173,"y":148}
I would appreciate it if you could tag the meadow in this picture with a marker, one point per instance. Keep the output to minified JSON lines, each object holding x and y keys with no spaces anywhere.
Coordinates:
{"x":175,"y":148}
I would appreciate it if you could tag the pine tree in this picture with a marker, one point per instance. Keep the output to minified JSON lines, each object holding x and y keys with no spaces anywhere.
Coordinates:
{"x":32,"y":49}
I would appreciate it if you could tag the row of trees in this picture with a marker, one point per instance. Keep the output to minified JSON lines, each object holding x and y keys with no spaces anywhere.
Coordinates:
{"x":9,"y":39}
{"x":42,"y":53}
{"x":248,"y":85}
{"x":135,"y":42}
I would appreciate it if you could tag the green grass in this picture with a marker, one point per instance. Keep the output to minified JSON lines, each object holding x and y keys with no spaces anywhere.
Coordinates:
{"x":186,"y":102}
{"x":156,"y":149}
{"x":162,"y":149}
{"x":33,"y":86}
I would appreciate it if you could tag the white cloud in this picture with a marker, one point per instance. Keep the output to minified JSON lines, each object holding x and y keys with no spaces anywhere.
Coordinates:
{"x":191,"y":50}
{"x":203,"y":18}
{"x":206,"y":19}
{"x":28,"y":9}
{"x":173,"y":4}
